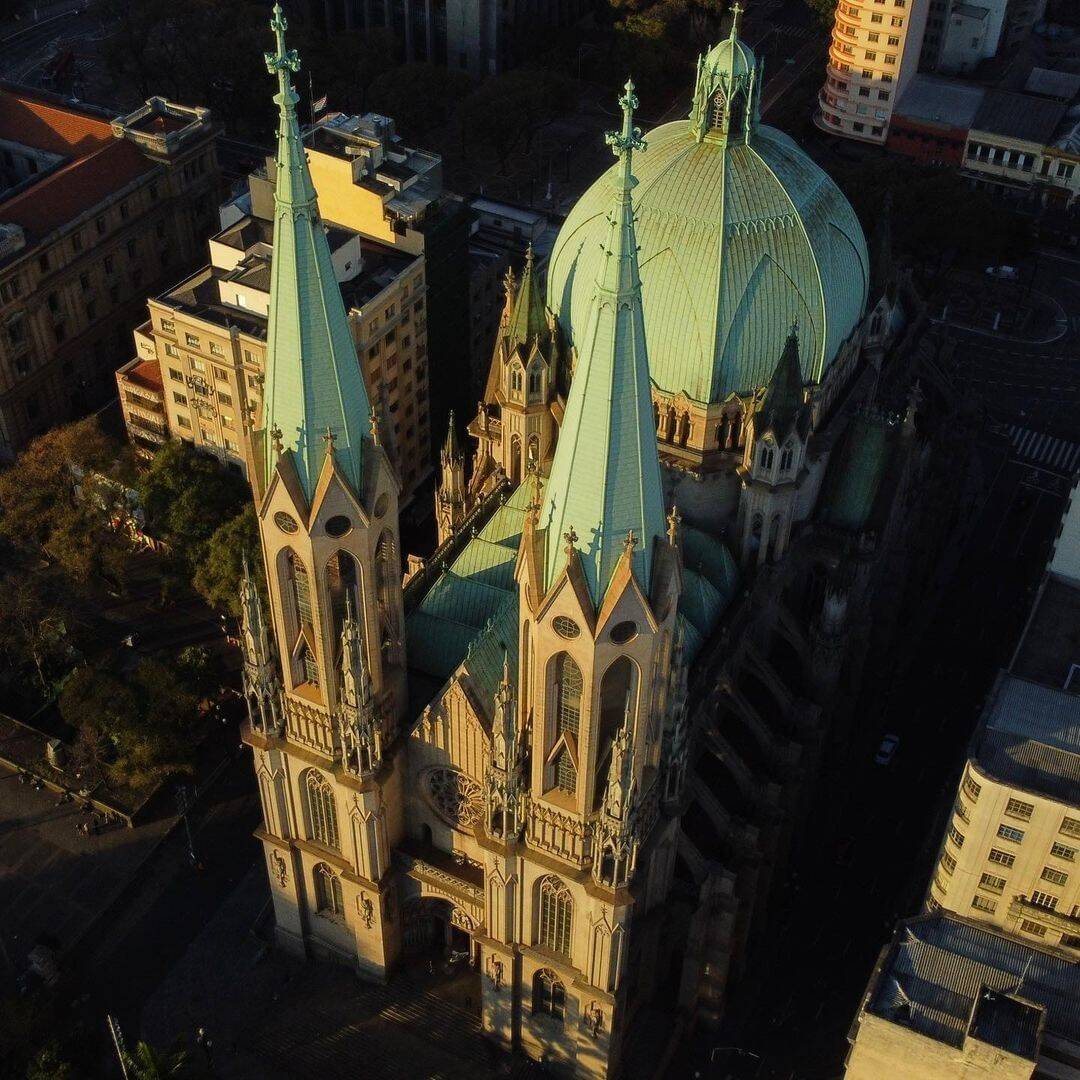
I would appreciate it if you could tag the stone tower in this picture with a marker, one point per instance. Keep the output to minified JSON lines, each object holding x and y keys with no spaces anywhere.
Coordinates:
{"x":516,"y":423}
{"x":327,"y":499}
{"x":772,"y":470}
{"x":451,"y":496}
{"x":576,"y":787}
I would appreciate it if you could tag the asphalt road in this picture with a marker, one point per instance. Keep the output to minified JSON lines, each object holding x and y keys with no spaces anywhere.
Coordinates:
{"x":867,"y":853}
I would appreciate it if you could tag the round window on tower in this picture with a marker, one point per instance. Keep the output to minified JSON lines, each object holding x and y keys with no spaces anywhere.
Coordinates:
{"x":623,"y":632}
{"x":564,"y":627}
{"x":381,"y":504}
{"x":285,"y":522}
{"x":338,"y":525}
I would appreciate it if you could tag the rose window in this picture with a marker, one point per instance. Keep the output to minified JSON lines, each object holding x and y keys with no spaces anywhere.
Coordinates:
{"x":455,"y":796}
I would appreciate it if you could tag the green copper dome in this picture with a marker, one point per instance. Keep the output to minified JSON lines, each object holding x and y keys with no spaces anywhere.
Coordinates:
{"x":741,"y":235}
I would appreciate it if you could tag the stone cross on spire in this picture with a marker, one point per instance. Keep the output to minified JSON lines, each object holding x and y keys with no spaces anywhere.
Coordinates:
{"x":623,"y":143}
{"x":736,"y":14}
{"x":283,"y":61}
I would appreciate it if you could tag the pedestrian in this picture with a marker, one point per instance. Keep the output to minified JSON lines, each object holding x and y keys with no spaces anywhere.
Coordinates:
{"x":431,"y":967}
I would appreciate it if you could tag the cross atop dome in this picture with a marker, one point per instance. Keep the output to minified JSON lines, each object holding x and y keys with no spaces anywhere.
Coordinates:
{"x":736,"y":13}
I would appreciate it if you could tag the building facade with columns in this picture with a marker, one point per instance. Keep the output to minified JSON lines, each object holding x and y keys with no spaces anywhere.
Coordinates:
{"x":574,"y":746}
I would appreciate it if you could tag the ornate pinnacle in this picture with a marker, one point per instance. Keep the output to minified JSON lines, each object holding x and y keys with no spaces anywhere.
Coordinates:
{"x":275,"y":439}
{"x":537,"y":492}
{"x":736,"y":12}
{"x":373,"y":421}
{"x":328,"y":438}
{"x":674,"y":519}
{"x":283,"y":60}
{"x":630,"y":542}
{"x":624,"y":142}
{"x":571,"y":538}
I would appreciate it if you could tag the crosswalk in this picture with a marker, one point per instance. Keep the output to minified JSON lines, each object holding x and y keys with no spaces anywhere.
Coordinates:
{"x":1038,"y":448}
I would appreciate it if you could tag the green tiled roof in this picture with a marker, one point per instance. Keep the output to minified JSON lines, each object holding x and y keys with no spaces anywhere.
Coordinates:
{"x":605,"y":476}
{"x":313,"y":382}
{"x":855,"y":472}
{"x":527,"y":321}
{"x":738,"y":240}
{"x":783,"y":402}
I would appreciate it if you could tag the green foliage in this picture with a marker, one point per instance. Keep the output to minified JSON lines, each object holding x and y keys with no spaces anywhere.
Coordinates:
{"x":824,"y":10}
{"x":187,"y":496}
{"x":42,"y":1039}
{"x":45,"y":514}
{"x":139,"y":727}
{"x":146,"y":1062}
{"x":51,"y":1063}
{"x":217,"y":577}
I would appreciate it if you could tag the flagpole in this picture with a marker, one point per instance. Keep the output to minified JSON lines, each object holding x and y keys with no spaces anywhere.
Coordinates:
{"x":311,"y":103}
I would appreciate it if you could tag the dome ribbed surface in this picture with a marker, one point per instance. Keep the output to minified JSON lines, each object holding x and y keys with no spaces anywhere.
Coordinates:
{"x":737,"y":242}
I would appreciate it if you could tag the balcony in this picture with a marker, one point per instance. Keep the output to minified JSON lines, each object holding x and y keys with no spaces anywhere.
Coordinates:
{"x":146,"y":402}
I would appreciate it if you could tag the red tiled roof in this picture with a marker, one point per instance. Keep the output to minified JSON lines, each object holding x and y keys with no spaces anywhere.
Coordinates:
{"x":99,"y":163}
{"x":146,"y":373}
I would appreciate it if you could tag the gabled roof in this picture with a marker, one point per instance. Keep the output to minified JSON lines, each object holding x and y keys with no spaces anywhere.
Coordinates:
{"x":605,"y":477}
{"x":313,"y":383}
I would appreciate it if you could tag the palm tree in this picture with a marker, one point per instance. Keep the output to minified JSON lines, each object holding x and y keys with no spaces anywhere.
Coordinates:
{"x":149,"y":1063}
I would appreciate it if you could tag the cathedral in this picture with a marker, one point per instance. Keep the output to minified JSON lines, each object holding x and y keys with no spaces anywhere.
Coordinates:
{"x":572,"y":747}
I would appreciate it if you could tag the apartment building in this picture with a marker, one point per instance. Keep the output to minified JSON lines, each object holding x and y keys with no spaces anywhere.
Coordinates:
{"x":200,"y":356}
{"x":93,"y":214}
{"x":873,"y":55}
{"x":1011,"y":851}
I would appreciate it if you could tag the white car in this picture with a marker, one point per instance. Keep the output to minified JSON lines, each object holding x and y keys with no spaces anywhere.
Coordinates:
{"x":886,"y":750}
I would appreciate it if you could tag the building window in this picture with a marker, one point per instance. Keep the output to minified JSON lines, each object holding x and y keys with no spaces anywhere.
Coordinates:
{"x":328,"y":901}
{"x":168,"y":326}
{"x":1044,"y":900}
{"x":971,"y":789}
{"x":180,"y":399}
{"x":961,"y":812}
{"x":1002,"y":858}
{"x":1060,"y":851}
{"x":1018,"y":809}
{"x":183,"y":422}
{"x":875,"y":38}
{"x":1055,"y":877}
{"x":192,"y":341}
{"x":322,"y":812}
{"x":984,"y":903}
{"x":956,"y":836}
{"x":301,"y":589}
{"x":896,"y":20}
{"x":225,"y":399}
{"x":883,"y":95}
{"x":556,"y":915}
{"x":217,"y":350}
{"x":890,"y":58}
{"x":765,"y":456}
{"x":549,"y":995}
{"x":565,"y":773}
{"x":948,"y":863}
{"x":991,"y":883}
{"x":1070,"y":826}
{"x":1070,"y":941}
{"x":1034,"y":928}
{"x":176,"y":375}
{"x":171,"y":349}
{"x":568,"y":696}
{"x":515,"y":380}
{"x":1007,"y":832}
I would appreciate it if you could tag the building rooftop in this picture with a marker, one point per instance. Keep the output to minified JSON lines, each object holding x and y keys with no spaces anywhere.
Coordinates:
{"x":1030,"y":737}
{"x":933,"y":99}
{"x":146,"y":373}
{"x":1064,"y":85}
{"x":1019,"y":116}
{"x":950,"y":979}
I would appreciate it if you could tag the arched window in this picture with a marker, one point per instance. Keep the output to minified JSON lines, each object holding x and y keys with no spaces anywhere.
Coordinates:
{"x":549,"y":994}
{"x":565,"y":773}
{"x":786,"y":457}
{"x":616,"y":688}
{"x":301,"y":585}
{"x":719,"y":107}
{"x":387,"y":582}
{"x":656,"y":417}
{"x":536,"y":383}
{"x":322,"y":813}
{"x":515,"y":459}
{"x":515,"y":379}
{"x":568,"y":687}
{"x":765,"y":456}
{"x":737,"y":113}
{"x":309,"y":666}
{"x":341,"y":583}
{"x":556,"y":916}
{"x":684,"y":428}
{"x":328,"y":900}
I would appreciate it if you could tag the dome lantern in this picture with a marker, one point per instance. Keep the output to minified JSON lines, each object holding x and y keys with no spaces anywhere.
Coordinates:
{"x":727,"y":90}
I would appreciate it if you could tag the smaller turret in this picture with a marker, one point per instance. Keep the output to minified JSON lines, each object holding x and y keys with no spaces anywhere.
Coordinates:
{"x":262,"y":689}
{"x":505,"y":782}
{"x":359,"y":730}
{"x":451,"y":503}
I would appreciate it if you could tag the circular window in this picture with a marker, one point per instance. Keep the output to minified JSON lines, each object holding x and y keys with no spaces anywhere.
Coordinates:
{"x":458,"y":798}
{"x":338,"y":525}
{"x":285,"y":522}
{"x":623,"y":632}
{"x":564,"y":627}
{"x":381,"y":503}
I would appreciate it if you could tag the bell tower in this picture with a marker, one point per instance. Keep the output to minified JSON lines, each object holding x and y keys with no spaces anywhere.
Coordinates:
{"x":326,"y":497}
{"x":581,"y":800}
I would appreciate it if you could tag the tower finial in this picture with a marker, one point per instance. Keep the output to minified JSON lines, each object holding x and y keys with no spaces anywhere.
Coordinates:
{"x":373,"y":422}
{"x":736,"y":13}
{"x":624,"y":142}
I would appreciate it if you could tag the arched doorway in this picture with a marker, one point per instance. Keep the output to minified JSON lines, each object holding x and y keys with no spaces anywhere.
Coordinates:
{"x":434,"y":925}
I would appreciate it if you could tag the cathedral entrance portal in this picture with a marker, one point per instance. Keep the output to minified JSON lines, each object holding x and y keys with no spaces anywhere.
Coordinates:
{"x":434,"y":925}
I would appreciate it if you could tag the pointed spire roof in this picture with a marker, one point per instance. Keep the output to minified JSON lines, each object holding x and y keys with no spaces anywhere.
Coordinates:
{"x":783,"y":402}
{"x":528,"y":320}
{"x":605,"y":478}
{"x":450,"y":451}
{"x":313,"y":380}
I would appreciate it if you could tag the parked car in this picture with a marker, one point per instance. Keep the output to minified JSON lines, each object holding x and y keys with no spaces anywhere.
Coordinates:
{"x":1006,"y":273}
{"x":886,"y":750}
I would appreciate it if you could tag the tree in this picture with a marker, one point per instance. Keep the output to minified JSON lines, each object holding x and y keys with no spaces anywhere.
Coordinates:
{"x":34,"y":629}
{"x":419,"y":97}
{"x":824,"y":11}
{"x":54,"y":504}
{"x":51,"y":1063}
{"x":146,"y":1062}
{"x":186,"y":496}
{"x":217,"y":577}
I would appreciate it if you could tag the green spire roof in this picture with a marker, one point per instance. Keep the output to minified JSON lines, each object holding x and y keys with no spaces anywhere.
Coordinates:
{"x":783,"y":401}
{"x":528,"y":321}
{"x":315,"y":395}
{"x":605,"y":478}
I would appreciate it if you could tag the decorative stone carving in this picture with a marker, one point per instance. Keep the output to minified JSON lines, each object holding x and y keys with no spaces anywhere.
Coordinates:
{"x":457,"y":798}
{"x":279,"y":868}
{"x":366,"y":910}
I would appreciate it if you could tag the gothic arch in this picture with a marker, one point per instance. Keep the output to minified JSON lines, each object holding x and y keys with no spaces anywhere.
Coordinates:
{"x":618,"y":689}
{"x":320,"y":809}
{"x":555,"y":915}
{"x":515,"y":459}
{"x":387,"y":583}
{"x":564,"y":722}
{"x":343,"y":585}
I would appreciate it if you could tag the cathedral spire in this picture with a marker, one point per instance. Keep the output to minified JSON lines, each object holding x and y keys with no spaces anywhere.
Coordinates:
{"x":783,"y":403}
{"x":605,"y":477}
{"x":527,"y":321}
{"x":313,"y":381}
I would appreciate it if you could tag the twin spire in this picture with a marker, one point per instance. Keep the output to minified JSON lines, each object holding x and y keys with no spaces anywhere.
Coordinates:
{"x":313,"y":382}
{"x":605,"y":484}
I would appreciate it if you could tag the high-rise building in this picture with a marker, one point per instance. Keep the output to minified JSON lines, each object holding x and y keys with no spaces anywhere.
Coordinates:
{"x":204,"y":343}
{"x":92,"y":215}
{"x":873,"y":55}
{"x":1010,"y":855}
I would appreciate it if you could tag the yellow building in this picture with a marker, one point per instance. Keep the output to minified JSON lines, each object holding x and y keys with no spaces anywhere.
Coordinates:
{"x":207,"y":336}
